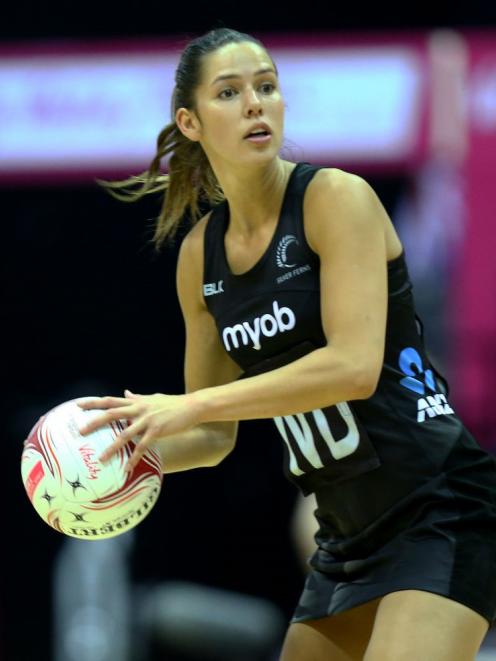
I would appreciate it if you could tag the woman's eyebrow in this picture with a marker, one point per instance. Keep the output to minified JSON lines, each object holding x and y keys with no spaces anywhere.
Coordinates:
{"x":230,"y":76}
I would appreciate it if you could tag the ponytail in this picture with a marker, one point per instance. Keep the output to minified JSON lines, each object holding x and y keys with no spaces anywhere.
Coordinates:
{"x":190,"y":180}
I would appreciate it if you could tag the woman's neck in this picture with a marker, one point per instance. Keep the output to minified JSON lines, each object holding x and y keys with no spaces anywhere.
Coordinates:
{"x":254,"y":195}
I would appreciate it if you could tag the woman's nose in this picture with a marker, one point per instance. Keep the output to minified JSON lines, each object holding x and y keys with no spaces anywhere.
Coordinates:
{"x":253,"y":104}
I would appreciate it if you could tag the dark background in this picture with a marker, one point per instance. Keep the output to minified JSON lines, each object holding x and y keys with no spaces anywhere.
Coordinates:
{"x":59,"y":19}
{"x":89,"y":308}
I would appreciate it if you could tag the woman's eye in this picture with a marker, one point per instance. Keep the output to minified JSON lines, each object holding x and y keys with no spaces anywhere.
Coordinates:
{"x":267,"y":88}
{"x":227,"y":93}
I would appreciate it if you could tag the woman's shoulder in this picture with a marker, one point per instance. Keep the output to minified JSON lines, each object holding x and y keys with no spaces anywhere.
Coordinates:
{"x":194,"y":239}
{"x":189,"y":272}
{"x":337,"y":182}
{"x":338,"y":191}
{"x":338,"y":201}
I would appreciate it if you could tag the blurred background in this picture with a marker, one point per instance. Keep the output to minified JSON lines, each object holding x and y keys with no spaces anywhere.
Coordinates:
{"x":406,"y":99}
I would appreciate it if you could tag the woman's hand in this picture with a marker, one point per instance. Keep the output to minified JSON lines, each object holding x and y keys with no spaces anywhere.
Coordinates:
{"x":150,"y":416}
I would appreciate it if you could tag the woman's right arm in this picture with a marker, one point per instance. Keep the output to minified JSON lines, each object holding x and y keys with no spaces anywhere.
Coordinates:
{"x":206,"y":364}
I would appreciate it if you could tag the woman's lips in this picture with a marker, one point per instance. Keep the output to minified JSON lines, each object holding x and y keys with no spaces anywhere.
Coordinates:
{"x":260,"y":138}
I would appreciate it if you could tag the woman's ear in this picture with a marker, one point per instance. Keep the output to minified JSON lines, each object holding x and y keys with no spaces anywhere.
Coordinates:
{"x":187,"y":122}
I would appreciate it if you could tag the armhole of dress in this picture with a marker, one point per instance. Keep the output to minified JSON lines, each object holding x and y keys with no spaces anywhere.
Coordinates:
{"x":308,"y":177}
{"x":209,"y":239}
{"x":443,"y":381}
{"x":204,"y":274}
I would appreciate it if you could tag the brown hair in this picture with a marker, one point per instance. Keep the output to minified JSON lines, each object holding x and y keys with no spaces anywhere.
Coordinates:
{"x":190,"y":179}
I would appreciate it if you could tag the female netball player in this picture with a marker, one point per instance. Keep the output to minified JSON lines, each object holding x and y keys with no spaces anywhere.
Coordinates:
{"x":298,"y":307}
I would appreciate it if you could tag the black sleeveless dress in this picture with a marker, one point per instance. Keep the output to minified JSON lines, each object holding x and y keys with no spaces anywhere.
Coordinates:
{"x":406,"y":498}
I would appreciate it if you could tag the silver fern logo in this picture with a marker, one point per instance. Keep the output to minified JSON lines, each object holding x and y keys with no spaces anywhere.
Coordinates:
{"x":282,"y":251}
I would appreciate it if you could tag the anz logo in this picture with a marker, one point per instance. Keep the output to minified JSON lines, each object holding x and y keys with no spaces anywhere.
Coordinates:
{"x":421,"y":381}
{"x":411,"y":364}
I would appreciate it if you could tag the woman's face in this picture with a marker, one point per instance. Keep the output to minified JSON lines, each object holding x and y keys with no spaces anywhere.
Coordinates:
{"x":239,"y":105}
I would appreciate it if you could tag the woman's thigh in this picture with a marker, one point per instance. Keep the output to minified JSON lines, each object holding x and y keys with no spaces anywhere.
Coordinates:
{"x":342,"y":637}
{"x":412,"y":625}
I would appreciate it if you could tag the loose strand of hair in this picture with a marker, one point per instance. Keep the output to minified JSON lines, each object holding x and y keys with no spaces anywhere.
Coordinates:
{"x":151,"y":180}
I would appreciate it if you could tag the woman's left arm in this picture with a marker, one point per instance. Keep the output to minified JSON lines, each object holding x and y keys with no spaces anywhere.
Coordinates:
{"x":345,"y":226}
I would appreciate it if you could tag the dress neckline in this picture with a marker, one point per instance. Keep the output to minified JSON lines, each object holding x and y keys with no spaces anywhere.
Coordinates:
{"x":259,"y":263}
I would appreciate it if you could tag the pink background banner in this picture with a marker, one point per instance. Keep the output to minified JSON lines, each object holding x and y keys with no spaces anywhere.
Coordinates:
{"x":96,"y":111}
{"x":474,"y":285}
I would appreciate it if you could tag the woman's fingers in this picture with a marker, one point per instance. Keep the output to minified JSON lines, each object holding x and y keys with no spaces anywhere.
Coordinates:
{"x":149,"y":418}
{"x":88,"y":403}
{"x":138,"y":452}
{"x":102,"y":420}
{"x":131,"y":395}
{"x":120,"y":410}
{"x":120,"y":441}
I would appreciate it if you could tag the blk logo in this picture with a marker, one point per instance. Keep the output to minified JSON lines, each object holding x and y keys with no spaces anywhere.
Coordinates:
{"x":212,"y":288}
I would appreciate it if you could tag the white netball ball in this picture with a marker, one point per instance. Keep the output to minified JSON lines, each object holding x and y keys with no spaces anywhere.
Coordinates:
{"x":72,"y":490}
